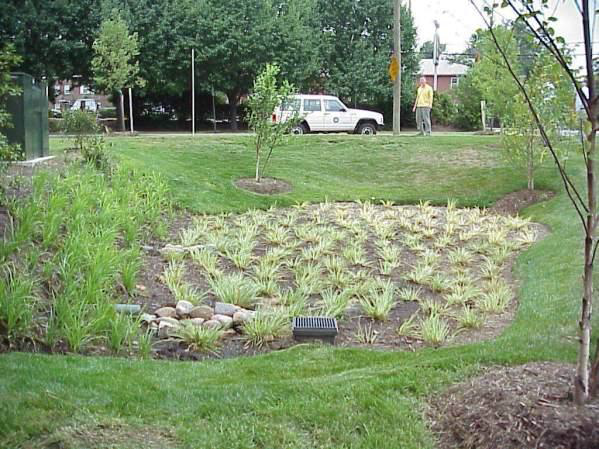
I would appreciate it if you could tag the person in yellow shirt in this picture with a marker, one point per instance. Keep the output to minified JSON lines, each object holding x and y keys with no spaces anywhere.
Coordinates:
{"x":423,"y":106}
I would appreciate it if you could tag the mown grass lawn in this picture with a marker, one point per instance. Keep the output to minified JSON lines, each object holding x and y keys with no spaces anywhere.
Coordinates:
{"x":305,"y":397}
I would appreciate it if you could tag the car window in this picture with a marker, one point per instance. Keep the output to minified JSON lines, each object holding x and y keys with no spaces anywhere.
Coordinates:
{"x":333,"y":106}
{"x":312,"y":105}
{"x":292,"y":104}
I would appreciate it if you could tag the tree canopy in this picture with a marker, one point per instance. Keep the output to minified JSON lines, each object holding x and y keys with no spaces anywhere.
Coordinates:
{"x":338,"y":46}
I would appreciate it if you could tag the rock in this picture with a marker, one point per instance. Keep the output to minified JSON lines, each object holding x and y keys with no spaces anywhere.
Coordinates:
{"x":183,"y":308}
{"x":229,"y":333}
{"x":147,"y":318}
{"x":225,"y":320}
{"x":205,"y":312}
{"x":241,"y":317}
{"x":213,"y":324}
{"x":169,"y":320}
{"x":166,"y":328}
{"x":166,"y":312}
{"x":222,"y":308}
{"x":197,"y":321}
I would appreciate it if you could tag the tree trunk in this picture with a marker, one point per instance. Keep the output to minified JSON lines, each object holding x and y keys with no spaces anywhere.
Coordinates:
{"x":257,"y":167}
{"x":594,"y":382}
{"x":581,"y":384}
{"x":121,"y":110}
{"x":233,"y":100}
{"x":531,"y":162}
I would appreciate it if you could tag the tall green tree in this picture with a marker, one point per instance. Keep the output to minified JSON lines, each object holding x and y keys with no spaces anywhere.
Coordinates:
{"x":114,"y":65}
{"x":53,"y":37}
{"x":239,"y":37}
{"x":356,"y":43}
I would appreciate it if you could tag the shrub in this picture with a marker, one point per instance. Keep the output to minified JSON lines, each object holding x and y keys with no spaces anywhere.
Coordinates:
{"x":444,"y":109}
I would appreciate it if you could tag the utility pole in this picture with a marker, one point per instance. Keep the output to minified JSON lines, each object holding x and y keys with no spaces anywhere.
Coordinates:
{"x":397,"y":51}
{"x":435,"y":55}
{"x":193,"y":93}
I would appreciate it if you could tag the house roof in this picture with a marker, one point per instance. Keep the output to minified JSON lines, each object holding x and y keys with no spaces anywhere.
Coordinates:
{"x":445,"y":68}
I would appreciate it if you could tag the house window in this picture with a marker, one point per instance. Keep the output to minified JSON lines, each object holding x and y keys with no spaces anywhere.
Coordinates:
{"x":85,"y":90}
{"x":67,"y":89}
{"x":454,"y":82}
{"x":57,"y":89}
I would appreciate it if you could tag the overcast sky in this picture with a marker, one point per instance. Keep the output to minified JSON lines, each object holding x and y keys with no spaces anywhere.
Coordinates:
{"x":458,"y":20}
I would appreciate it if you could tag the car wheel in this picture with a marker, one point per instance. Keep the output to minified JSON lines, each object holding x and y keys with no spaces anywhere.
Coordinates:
{"x":367,"y":129}
{"x":299,"y":129}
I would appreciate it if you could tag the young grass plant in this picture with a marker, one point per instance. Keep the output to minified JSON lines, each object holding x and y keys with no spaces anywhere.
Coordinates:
{"x":434,"y":330}
{"x":379,"y":301}
{"x":410,"y":294}
{"x":235,"y":289}
{"x":366,"y":335}
{"x":198,"y":338}
{"x":207,"y":260}
{"x":265,"y":327}
{"x":469,"y":319}
{"x":333,"y":303}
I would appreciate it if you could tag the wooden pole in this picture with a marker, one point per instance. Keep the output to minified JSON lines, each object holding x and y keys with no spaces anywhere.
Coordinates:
{"x":397,"y":51}
{"x":193,"y":93}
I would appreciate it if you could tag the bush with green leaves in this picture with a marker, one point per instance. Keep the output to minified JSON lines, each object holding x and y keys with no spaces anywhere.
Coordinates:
{"x":80,"y":123}
{"x":443,"y":111}
{"x":266,"y":326}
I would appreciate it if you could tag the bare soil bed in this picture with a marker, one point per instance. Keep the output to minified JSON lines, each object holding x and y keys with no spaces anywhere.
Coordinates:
{"x":527,"y":406}
{"x":446,"y":272}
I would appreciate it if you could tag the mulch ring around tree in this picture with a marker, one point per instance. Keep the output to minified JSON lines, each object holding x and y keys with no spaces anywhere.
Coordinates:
{"x":527,"y":406}
{"x":266,"y":186}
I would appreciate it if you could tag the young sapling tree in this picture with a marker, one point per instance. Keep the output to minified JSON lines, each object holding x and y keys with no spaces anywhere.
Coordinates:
{"x":267,"y":95}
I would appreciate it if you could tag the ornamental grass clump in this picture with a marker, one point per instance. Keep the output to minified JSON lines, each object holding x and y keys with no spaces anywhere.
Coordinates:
{"x":379,"y":301}
{"x":198,"y":338}
{"x":265,"y":327}
{"x":235,"y":289}
{"x":434,"y":330}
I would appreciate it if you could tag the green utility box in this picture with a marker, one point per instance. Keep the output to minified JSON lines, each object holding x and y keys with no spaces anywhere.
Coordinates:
{"x":29,"y":111}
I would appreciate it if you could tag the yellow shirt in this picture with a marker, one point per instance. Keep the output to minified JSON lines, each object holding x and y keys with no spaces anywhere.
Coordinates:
{"x":424,"y":98}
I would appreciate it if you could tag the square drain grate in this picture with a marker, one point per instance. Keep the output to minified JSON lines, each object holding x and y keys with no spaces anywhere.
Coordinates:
{"x":315,"y":328}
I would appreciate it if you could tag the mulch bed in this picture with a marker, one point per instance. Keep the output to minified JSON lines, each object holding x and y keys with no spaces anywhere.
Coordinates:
{"x":514,"y":202}
{"x":527,"y":406}
{"x":266,"y":186}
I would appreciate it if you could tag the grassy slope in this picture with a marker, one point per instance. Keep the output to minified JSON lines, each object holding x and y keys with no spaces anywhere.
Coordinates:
{"x":308,"y":397}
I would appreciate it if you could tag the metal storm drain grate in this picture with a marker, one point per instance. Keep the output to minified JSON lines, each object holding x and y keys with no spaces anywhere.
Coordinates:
{"x":315,"y":328}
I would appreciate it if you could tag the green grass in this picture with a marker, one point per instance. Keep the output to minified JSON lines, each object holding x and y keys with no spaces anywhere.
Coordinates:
{"x":307,"y":397}
{"x":201,"y":170}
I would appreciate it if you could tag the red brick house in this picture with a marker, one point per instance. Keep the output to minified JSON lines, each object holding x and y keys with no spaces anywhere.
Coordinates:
{"x":67,"y":92}
{"x":448,"y":74}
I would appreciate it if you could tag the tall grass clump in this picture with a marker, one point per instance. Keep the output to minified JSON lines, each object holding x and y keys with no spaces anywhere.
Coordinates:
{"x":87,"y":225}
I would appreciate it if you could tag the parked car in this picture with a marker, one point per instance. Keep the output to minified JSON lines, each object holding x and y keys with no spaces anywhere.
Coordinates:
{"x":326,"y":113}
{"x":87,"y":104}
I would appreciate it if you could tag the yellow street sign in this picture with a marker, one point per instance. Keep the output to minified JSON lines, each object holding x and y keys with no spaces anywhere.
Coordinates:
{"x":393,"y":68}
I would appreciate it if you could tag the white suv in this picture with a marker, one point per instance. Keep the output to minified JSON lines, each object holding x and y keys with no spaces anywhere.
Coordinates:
{"x":327,"y":113}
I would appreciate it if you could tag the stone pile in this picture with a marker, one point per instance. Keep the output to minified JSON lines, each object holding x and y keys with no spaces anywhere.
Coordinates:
{"x":166,"y":320}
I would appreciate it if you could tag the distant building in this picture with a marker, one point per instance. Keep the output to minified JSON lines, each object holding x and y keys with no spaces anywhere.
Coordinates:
{"x":448,"y":74}
{"x":69,"y":92}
